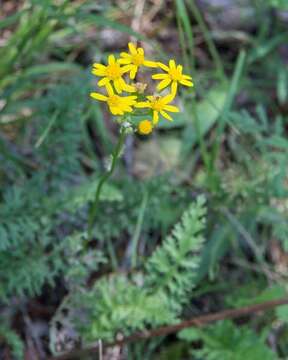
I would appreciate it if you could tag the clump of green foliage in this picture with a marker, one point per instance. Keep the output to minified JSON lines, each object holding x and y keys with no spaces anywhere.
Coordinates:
{"x":228,"y":342}
{"x":153,"y":297}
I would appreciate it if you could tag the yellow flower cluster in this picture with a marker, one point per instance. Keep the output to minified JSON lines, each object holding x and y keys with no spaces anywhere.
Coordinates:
{"x":112,"y":78}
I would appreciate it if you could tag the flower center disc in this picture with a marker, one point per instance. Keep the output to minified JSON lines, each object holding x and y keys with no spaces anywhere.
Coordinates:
{"x":157,"y":105}
{"x":113,"y":71}
{"x":113,"y":101}
{"x":138,"y":59}
{"x":175,"y":74}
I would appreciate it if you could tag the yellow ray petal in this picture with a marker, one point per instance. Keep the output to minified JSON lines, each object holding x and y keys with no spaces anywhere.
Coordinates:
{"x":128,"y":109}
{"x":117,"y":85}
{"x":172,"y":64}
{"x":186,"y":83}
{"x":165,"y":115}
{"x":151,"y":64}
{"x":131,"y":98}
{"x":122,"y":83}
{"x":103,"y":82}
{"x":98,"y":96}
{"x":141,"y":51}
{"x":179,"y":68}
{"x":168,"y":98}
{"x":155,"y":117}
{"x":124,"y":61}
{"x":99,"y":66}
{"x":186,"y":77}
{"x":111,"y":59}
{"x":164,"y":83}
{"x":125,"y":55}
{"x":174,"y":88}
{"x":163,"y":66}
{"x":98,"y":72}
{"x":109,"y":89}
{"x":132,"y":48}
{"x":160,"y":76}
{"x":171,"y":108}
{"x":115,"y":110}
{"x":133,"y":72}
{"x":143,"y":104}
{"x":126,"y":68}
{"x":126,"y":87}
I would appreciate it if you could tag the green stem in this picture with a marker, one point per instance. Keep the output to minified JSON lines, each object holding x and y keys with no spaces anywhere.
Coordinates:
{"x":223,"y":118}
{"x":136,"y":236}
{"x":115,"y":156}
{"x":207,"y":36}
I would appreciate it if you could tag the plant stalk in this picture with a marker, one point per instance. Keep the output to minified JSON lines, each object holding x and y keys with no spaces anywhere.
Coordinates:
{"x":115,"y":156}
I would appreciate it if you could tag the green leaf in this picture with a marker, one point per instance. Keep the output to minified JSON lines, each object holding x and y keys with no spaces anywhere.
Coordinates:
{"x":10,"y":20}
{"x":206,"y":114}
{"x":104,"y":21}
{"x":210,"y":108}
{"x":282,"y":313}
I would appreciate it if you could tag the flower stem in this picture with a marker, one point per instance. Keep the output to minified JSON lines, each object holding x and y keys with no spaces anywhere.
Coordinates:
{"x":115,"y":156}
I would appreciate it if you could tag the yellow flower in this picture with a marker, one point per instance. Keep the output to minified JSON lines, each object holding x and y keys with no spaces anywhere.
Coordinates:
{"x":174,"y":75}
{"x":118,"y":105}
{"x":159,"y":104}
{"x":113,"y":72}
{"x":135,"y":59}
{"x":145,"y":127}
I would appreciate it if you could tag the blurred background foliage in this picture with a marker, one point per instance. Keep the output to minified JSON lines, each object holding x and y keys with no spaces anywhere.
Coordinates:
{"x":229,"y":145}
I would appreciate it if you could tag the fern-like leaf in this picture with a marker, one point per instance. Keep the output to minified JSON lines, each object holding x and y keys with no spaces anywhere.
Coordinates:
{"x":116,"y":304}
{"x":172,"y":267}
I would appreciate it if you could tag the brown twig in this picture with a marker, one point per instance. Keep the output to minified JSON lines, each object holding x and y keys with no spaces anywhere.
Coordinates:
{"x":32,"y":337}
{"x":166,"y":330}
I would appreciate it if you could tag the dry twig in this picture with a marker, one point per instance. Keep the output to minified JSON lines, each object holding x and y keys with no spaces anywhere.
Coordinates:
{"x":166,"y":330}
